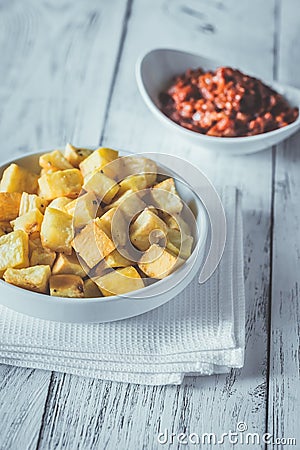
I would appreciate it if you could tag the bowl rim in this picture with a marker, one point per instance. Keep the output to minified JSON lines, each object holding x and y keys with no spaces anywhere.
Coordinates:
{"x":200,"y":245}
{"x":226,"y":140}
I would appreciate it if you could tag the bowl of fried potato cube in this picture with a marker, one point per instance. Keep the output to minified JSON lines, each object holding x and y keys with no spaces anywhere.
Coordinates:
{"x":95,"y":235}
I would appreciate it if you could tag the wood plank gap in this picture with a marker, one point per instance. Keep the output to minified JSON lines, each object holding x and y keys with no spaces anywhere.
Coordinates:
{"x":269,"y":317}
{"x":48,"y":398}
{"x":117,"y":65}
{"x":277,"y":12}
{"x":277,"y":9}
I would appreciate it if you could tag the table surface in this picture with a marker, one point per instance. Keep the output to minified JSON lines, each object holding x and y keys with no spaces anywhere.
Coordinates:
{"x":68,"y":75}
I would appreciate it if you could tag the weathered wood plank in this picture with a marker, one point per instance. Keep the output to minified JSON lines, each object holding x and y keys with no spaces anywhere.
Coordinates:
{"x":284,"y":405}
{"x":58,"y":60}
{"x":23,"y":394}
{"x":129,"y":416}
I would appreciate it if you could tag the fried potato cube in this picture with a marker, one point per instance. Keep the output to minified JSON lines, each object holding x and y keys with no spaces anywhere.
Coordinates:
{"x":130,"y":203}
{"x":118,"y":227}
{"x":45,"y":171}
{"x":57,"y":231}
{"x":54,"y":160}
{"x":135,"y":183}
{"x":93,"y":244}
{"x":158,"y":262}
{"x":175,"y":222}
{"x":40,"y":255}
{"x":115,"y":259}
{"x":105,"y":221}
{"x":31,"y":201}
{"x":9,"y":205}
{"x":180,"y":243}
{"x":91,"y":289}
{"x":102,"y":186}
{"x":147,"y":227}
{"x":60,"y":203}
{"x":172,"y":248}
{"x":120,"y":281}
{"x":66,"y":264}
{"x":66,"y":286}
{"x":29,"y":222}
{"x":32,"y":278}
{"x":5,"y":228}
{"x":83,"y":209}
{"x":14,"y":250}
{"x":97,"y":160}
{"x":166,"y":197}
{"x":63,"y":183}
{"x":18,"y":179}
{"x":186,"y":247}
{"x":132,"y":165}
{"x":176,"y":237}
{"x":76,"y":155}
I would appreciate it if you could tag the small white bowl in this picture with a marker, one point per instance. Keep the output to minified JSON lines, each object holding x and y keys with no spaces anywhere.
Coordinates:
{"x":154,"y":73}
{"x":107,"y":309}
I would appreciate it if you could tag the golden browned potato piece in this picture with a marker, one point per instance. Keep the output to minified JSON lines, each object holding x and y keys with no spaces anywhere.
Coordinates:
{"x":30,"y":222}
{"x":93,"y":244}
{"x":105,"y":220}
{"x":129,"y":203}
{"x":31,"y":201}
{"x":47,"y":171}
{"x":97,"y":160}
{"x":9,"y":205}
{"x":179,"y":243}
{"x":120,"y":226}
{"x":41,"y":256}
{"x":115,"y":259}
{"x":135,"y":183}
{"x":91,"y":289}
{"x":76,"y":155}
{"x":66,"y":286}
{"x":33,"y":278}
{"x":166,"y":197}
{"x":102,"y":186}
{"x":18,"y":179}
{"x":158,"y":262}
{"x":63,"y":183}
{"x":14,"y":250}
{"x":54,"y":160}
{"x":120,"y":281}
{"x":68,"y":264}
{"x":60,"y":203}
{"x":83,"y":209}
{"x":147,"y":225}
{"x":57,"y":231}
{"x":132,"y":165}
{"x":176,"y":222}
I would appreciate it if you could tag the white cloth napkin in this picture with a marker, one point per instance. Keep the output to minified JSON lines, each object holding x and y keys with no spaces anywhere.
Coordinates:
{"x":201,"y":331}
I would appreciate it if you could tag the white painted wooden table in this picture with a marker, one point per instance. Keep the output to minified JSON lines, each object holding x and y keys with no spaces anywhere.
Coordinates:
{"x":67,"y":74}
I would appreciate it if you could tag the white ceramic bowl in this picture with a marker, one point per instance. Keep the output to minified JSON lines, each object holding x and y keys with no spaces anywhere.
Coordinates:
{"x":154,"y":72}
{"x":105,"y":309}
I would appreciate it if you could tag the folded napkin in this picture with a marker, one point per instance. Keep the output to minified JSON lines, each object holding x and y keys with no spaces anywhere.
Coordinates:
{"x":201,"y":331}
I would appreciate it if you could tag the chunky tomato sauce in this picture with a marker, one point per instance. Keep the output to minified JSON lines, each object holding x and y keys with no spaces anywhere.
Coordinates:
{"x":225,"y":103}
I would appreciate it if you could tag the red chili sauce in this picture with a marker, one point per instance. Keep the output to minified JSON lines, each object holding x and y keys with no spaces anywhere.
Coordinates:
{"x":225,"y":103}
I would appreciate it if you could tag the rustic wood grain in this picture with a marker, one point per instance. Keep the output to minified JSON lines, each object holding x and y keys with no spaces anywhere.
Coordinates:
{"x":54,"y":86}
{"x":284,"y":405}
{"x":84,"y":413}
{"x":23,"y":394}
